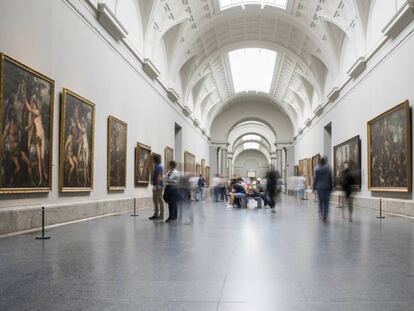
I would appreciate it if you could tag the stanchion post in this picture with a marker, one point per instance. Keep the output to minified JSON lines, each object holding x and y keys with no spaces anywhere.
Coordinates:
{"x":135,"y":208}
{"x":380,"y":216}
{"x":43,"y":237}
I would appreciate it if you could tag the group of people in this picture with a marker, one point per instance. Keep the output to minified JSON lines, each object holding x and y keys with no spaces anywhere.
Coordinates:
{"x":173,"y":188}
{"x":323,"y":186}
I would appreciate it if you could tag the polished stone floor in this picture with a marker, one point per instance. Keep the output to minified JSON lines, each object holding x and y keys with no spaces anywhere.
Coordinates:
{"x":227,"y":259}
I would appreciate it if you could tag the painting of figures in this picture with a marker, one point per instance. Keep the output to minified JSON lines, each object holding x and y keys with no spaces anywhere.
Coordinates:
{"x":77,"y":123}
{"x":117,"y":153}
{"x":389,"y":150}
{"x":168,"y":157}
{"x":143,"y":165}
{"x":26,"y":128}
{"x":348,"y":155}
{"x":189,"y":163}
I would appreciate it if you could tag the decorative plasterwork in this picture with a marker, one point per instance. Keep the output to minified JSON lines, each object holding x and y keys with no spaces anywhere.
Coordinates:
{"x":186,"y":111}
{"x":150,"y":69}
{"x":334,"y":94}
{"x":401,"y":19}
{"x":173,"y":95}
{"x":357,"y":68}
{"x":109,"y":21}
{"x":318,"y":110}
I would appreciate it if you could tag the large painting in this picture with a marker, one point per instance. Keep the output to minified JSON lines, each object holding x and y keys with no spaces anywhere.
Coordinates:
{"x":143,"y":165}
{"x":389,"y":150}
{"x":203,"y":168}
{"x":348,"y":153}
{"x":168,"y":156}
{"x":198,"y":169}
{"x":77,"y":124}
{"x":189,"y":163}
{"x":117,"y":154}
{"x":207,"y":177}
{"x":26,"y":128}
{"x":309,"y":172}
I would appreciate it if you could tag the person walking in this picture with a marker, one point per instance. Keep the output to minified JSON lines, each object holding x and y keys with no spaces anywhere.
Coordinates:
{"x":171,"y":192}
{"x":322,"y":184}
{"x":273,"y":186}
{"x":157,"y":188}
{"x":347,"y":182}
{"x":201,"y":184}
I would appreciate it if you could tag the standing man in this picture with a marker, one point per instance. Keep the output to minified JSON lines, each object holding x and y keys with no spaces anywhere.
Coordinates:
{"x":347,"y":183}
{"x":201,"y":183}
{"x":157,"y":188}
{"x":322,"y":184}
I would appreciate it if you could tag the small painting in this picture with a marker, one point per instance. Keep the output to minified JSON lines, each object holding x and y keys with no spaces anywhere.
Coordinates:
{"x":168,"y":156}
{"x":77,"y":123}
{"x":389,"y":150}
{"x":117,"y":154}
{"x":203,"y":168}
{"x":26,"y":128}
{"x":198,"y":169}
{"x":348,"y":154}
{"x":143,"y":164}
{"x":207,"y":177}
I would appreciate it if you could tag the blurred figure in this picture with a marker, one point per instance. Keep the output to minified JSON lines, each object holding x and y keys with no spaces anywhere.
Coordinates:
{"x":184,"y":197}
{"x":201,"y":184}
{"x":216,"y":187}
{"x":157,"y":188}
{"x":223,"y":188}
{"x":322,"y":184}
{"x":301,"y":187}
{"x":347,"y":181}
{"x":273,"y":186}
{"x":260,"y":193}
{"x":171,"y":191}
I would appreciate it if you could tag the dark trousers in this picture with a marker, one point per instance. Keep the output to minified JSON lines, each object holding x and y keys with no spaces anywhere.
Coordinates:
{"x":323,"y":196}
{"x":223,"y":193}
{"x":171,"y":197}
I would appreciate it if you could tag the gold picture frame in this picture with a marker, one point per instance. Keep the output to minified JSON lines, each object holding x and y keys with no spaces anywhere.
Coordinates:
{"x":168,"y":156}
{"x":143,"y":165}
{"x":207,"y":177}
{"x":389,"y":149}
{"x":77,"y":138}
{"x":348,"y":152}
{"x":189,"y":163}
{"x":198,"y":169}
{"x":21,"y":85}
{"x":117,"y":154}
{"x":203,"y":167}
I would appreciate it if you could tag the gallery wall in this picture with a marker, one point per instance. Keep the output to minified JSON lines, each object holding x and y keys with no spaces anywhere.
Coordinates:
{"x":386,"y":82}
{"x":65,"y":43}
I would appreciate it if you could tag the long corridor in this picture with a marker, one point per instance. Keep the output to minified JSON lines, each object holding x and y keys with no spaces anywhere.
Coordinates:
{"x":227,"y":259}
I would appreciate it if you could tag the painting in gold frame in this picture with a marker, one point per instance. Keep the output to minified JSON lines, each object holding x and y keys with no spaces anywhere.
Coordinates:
{"x":117,"y":154}
{"x":189,"y":163}
{"x":198,"y":169}
{"x":309,"y":173}
{"x":207,"y":177}
{"x":389,"y":150}
{"x":348,"y":152}
{"x":143,"y":165}
{"x":77,"y":131}
{"x":26,"y":128}
{"x":203,"y":168}
{"x":168,"y":156}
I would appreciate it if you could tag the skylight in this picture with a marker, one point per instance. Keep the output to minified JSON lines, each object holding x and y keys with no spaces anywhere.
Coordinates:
{"x":225,"y":4}
{"x":251,"y":146}
{"x":251,"y":137}
{"x":252,"y":69}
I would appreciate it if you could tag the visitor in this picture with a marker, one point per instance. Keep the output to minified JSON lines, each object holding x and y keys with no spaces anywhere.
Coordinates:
{"x":322,"y":184}
{"x":223,"y":188}
{"x":301,"y":187}
{"x":216,"y":187}
{"x":273,"y":186}
{"x":157,"y":188}
{"x":238,"y":191}
{"x":259,"y":192}
{"x":184,"y":198}
{"x":347,"y":181}
{"x":170,"y":192}
{"x":201,"y":183}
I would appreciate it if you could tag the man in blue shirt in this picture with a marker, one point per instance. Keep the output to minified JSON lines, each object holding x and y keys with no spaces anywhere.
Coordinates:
{"x":157,"y":188}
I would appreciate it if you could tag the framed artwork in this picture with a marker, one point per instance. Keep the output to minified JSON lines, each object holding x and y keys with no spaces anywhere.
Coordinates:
{"x":189,"y":163}
{"x":305,"y":168}
{"x":309,"y":173}
{"x":207,"y":177}
{"x":198,"y":169}
{"x":77,"y":130}
{"x":315,"y":162}
{"x":251,"y":174}
{"x":348,"y":153}
{"x":389,"y":150}
{"x":168,"y":156}
{"x":296,"y":170}
{"x":203,"y":168}
{"x":143,"y":165}
{"x":117,"y":154}
{"x":26,"y":128}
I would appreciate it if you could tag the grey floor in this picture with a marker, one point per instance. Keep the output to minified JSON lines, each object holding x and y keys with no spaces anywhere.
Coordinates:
{"x":227,"y":259}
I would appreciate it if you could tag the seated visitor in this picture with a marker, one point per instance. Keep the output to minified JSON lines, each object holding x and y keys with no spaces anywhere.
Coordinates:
{"x":238,"y":191}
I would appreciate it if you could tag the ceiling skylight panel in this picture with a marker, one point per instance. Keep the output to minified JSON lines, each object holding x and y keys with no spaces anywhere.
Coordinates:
{"x":225,"y":4}
{"x":252,"y":69}
{"x":251,"y":146}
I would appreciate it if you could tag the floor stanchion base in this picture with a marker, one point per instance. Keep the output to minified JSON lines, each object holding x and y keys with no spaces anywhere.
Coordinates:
{"x":42,"y":238}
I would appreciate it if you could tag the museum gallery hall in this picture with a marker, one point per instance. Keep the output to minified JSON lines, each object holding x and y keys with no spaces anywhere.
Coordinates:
{"x":206,"y":155}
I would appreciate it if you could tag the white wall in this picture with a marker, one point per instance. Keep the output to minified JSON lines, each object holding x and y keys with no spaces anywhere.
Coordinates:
{"x":251,"y":160}
{"x":387,"y":81}
{"x":52,"y":38}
